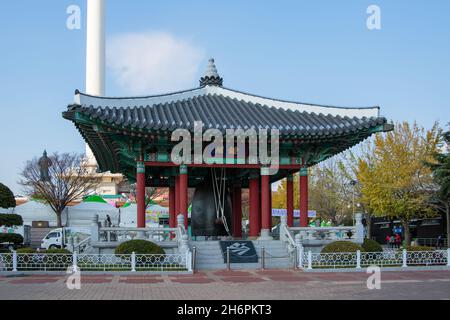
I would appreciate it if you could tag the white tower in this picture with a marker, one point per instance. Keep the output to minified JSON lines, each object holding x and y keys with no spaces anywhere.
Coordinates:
{"x":95,"y":55}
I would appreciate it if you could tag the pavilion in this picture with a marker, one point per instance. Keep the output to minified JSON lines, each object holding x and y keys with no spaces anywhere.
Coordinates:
{"x":133,"y":136}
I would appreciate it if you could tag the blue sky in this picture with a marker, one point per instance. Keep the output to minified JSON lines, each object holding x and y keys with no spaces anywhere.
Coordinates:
{"x":310,"y":51}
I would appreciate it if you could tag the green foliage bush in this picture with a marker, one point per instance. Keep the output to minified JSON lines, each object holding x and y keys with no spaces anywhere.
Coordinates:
{"x":9,"y":220}
{"x":342,"y":246}
{"x":58,"y":251}
{"x":26,"y":250}
{"x":4,"y":250}
{"x":370,"y":245}
{"x":138,"y":247}
{"x":419,"y":248}
{"x":12,"y":238}
{"x":7,"y":199}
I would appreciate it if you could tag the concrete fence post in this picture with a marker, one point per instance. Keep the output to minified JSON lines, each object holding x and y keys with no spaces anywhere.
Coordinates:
{"x":194,"y":258}
{"x":14,"y":261}
{"x":405,"y":258}
{"x":133,"y":262}
{"x":300,"y":258}
{"x":358,"y":259}
{"x":94,"y":229}
{"x":180,"y":221}
{"x":295,"y":258}
{"x":189,"y":260}
{"x":359,"y":228}
{"x":448,"y":257}
{"x":74,"y":262}
{"x":309,"y":260}
{"x":283,"y":225}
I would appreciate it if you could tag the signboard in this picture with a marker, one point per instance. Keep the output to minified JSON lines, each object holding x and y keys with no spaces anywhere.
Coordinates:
{"x":240,"y":251}
{"x":153,"y":216}
{"x":283,"y":212}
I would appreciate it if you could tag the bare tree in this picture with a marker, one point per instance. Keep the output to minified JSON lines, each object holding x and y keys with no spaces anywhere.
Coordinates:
{"x":151,"y":193}
{"x":68,"y":181}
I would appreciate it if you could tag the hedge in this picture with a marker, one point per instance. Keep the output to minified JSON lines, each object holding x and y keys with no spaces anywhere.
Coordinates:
{"x":342,"y":246}
{"x":58,"y":251}
{"x":419,"y":248}
{"x":26,"y":250}
{"x":138,"y":247}
{"x":370,"y":245}
{"x":10,"y":220}
{"x":13,"y":238}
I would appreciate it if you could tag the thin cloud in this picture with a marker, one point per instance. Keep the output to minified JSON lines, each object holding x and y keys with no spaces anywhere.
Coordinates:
{"x":152,"y":62}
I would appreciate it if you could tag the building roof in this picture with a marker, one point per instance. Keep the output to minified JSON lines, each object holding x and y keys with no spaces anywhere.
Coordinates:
{"x":223,"y":108}
{"x":102,"y":120}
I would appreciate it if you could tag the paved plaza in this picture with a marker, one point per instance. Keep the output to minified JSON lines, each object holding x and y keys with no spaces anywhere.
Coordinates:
{"x":233,"y":285}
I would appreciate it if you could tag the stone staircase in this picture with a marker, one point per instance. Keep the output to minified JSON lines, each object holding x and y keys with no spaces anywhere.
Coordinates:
{"x":209,"y":256}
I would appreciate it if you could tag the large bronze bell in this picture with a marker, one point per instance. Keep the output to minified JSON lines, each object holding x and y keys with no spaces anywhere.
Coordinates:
{"x":204,"y":221}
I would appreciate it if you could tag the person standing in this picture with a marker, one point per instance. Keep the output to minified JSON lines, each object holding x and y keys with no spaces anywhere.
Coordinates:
{"x":398,"y":240}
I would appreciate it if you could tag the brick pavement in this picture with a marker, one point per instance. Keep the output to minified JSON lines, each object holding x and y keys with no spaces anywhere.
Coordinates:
{"x":242,"y":285}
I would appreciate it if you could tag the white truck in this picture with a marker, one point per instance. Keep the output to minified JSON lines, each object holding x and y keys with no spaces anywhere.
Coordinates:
{"x":24,"y":231}
{"x":66,"y":238}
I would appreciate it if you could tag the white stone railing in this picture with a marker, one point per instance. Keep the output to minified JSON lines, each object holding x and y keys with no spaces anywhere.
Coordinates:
{"x":358,"y":260}
{"x":18,"y":262}
{"x":325,"y":235}
{"x":118,"y":234}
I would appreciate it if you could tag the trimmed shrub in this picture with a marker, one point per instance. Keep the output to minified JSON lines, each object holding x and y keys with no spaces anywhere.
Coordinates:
{"x":58,"y":251}
{"x":12,"y":238}
{"x":341,"y":246}
{"x":138,"y":247}
{"x":370,"y":245}
{"x":7,"y":199}
{"x":419,"y":248}
{"x":26,"y":250}
{"x":10,"y":220}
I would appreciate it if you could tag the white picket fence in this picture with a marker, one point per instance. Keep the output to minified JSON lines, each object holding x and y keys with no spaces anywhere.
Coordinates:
{"x":402,"y":259}
{"x":14,"y":262}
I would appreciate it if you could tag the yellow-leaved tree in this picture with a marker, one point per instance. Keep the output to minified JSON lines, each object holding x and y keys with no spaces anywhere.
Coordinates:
{"x":395,"y":182}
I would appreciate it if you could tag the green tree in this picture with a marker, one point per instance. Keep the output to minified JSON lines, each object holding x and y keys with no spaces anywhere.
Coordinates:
{"x":395,"y":183}
{"x":7,"y":199}
{"x":441,"y":175}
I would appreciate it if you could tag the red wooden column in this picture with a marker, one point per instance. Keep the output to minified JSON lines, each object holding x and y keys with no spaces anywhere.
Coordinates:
{"x":177,"y":196}
{"x":254,"y":215}
{"x":237,"y":212}
{"x":140,"y":194}
{"x":270,"y":205}
{"x":184,"y":193}
{"x":290,"y":200}
{"x":265,"y":205}
{"x":172,"y":209}
{"x":304,"y":197}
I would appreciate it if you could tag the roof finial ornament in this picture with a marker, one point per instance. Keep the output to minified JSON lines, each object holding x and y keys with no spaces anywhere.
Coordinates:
{"x":211,"y":77}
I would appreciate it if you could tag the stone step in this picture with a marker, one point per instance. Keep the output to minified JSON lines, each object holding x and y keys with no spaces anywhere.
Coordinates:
{"x":243,"y":266}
